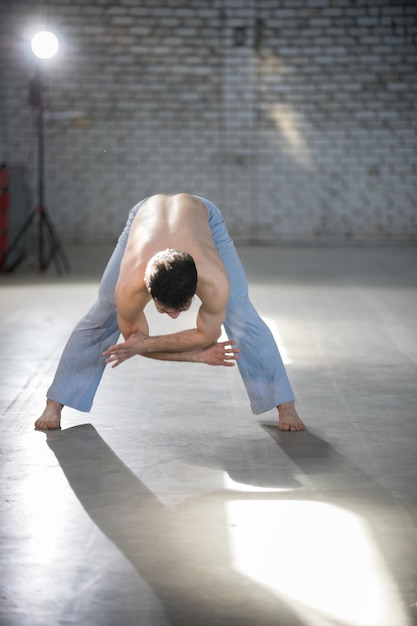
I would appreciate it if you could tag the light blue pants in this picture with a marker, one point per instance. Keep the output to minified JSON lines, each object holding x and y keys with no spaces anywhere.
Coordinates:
{"x":263,"y":373}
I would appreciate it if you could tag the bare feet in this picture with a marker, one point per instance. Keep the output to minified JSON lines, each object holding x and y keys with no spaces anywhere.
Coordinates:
{"x":288,"y":418}
{"x":51,"y":417}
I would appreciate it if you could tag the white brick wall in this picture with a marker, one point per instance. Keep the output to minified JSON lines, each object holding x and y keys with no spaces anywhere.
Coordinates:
{"x":298,"y":117}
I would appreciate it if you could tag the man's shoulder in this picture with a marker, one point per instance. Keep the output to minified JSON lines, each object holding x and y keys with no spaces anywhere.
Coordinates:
{"x":213,"y":289}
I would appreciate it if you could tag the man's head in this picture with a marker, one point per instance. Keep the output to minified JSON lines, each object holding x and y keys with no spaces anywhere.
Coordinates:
{"x":171,"y":278}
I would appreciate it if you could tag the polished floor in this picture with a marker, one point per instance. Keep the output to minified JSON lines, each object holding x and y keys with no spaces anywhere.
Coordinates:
{"x":171,"y":504}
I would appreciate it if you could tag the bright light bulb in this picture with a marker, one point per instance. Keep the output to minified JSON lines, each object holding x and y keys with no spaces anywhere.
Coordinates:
{"x":44,"y":44}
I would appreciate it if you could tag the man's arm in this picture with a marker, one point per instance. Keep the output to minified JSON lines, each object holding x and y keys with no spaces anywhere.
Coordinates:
{"x":206,"y":332}
{"x":129,"y":328}
{"x":130,"y":305}
{"x":190,"y":343}
{"x":219,"y":353}
{"x":210,"y":317}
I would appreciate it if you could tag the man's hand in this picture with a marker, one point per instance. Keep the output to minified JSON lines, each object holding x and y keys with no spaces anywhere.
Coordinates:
{"x":123,"y":351}
{"x":220,"y":353}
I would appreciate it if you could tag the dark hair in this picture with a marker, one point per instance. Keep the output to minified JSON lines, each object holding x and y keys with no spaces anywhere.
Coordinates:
{"x":171,"y":278}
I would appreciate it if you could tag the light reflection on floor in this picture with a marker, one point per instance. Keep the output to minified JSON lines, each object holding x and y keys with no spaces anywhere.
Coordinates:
{"x":283,"y":350}
{"x":320,"y":558}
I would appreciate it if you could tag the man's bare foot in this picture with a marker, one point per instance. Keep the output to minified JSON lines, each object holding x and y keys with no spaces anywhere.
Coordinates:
{"x":51,"y":417}
{"x":288,"y":418}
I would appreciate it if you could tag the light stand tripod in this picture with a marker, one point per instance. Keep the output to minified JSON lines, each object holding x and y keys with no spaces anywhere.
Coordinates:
{"x":49,"y":248}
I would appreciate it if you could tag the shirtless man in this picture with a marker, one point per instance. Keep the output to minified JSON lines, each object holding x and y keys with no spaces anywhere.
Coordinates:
{"x":173,"y":246}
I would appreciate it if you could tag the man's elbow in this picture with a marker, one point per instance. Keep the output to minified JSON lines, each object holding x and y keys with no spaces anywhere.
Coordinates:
{"x":211,"y":338}
{"x":124,"y":328}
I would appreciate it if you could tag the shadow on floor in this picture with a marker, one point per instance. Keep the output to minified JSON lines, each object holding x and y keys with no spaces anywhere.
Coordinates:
{"x":182,"y":554}
{"x":185,"y":553}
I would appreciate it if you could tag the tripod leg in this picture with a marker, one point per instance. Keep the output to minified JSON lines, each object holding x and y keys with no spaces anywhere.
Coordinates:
{"x":46,"y":256}
{"x":56,"y":253}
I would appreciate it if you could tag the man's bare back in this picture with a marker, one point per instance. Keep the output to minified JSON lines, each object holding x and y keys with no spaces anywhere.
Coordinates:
{"x":172,"y":221}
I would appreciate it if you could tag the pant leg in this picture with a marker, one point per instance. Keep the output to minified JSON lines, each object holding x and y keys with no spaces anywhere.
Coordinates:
{"x":82,"y":363}
{"x":260,"y":363}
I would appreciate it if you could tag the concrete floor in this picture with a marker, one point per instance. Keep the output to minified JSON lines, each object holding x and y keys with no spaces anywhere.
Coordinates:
{"x":170,"y":503}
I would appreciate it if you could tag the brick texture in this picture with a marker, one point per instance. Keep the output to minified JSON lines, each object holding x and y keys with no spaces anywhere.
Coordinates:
{"x":297,"y":117}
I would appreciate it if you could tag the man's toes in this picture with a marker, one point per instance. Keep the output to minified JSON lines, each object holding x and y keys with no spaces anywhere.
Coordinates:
{"x":47,"y":425}
{"x":296,"y":427}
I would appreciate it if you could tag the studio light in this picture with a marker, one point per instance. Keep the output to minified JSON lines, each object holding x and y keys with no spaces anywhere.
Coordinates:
{"x":44,"y":46}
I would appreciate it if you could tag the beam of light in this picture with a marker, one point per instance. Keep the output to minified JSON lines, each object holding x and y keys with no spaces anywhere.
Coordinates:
{"x":44,"y":518}
{"x":282,"y":349}
{"x":288,"y":125}
{"x":44,"y":511}
{"x":44,"y":44}
{"x":319,"y":558}
{"x":287,"y":121}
